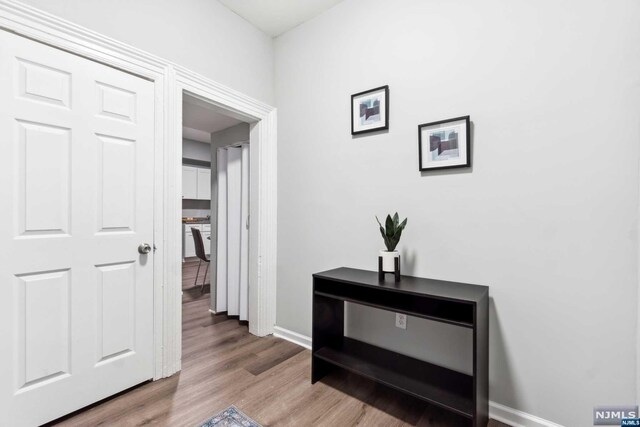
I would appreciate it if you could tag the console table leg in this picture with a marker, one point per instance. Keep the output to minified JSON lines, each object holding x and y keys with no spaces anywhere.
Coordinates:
{"x":327,"y":330}
{"x":319,"y":368}
{"x":481,"y":362}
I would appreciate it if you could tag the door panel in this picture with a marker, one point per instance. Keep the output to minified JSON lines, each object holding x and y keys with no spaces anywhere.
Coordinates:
{"x":221,"y":234}
{"x":244,"y":236}
{"x":116,"y":195}
{"x":116,"y":102}
{"x":45,"y":84}
{"x":44,"y":178}
{"x":43,"y":327}
{"x":116,"y":310}
{"x":234,"y":198}
{"x":76,"y":175}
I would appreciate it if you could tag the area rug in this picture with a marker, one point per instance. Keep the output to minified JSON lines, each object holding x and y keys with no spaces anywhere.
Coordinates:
{"x":230,"y":417}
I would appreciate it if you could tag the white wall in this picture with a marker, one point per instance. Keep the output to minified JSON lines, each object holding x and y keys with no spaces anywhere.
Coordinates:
{"x":196,"y":150}
{"x":201,"y":35}
{"x":547,"y":217}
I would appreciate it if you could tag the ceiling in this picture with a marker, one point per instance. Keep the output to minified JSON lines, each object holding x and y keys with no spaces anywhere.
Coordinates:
{"x":199,"y":119}
{"x":275,"y":17}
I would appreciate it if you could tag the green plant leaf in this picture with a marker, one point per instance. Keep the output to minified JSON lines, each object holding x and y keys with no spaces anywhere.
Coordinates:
{"x":389,"y":226}
{"x":396,"y":220}
{"x":396,"y":237}
{"x":398,"y":232}
{"x":393,"y":242}
{"x":383,"y":233}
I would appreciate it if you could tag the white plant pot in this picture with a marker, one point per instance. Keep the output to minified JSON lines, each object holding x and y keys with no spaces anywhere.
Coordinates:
{"x":388,"y":263}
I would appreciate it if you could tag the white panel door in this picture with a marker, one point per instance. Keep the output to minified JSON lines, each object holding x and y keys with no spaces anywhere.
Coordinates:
{"x":221,"y":251}
{"x":189,"y":182}
{"x":204,"y":184}
{"x":234,"y":197}
{"x":76,"y":184}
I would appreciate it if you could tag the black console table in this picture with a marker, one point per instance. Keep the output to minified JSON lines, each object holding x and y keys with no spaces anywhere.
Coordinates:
{"x":463,"y":305}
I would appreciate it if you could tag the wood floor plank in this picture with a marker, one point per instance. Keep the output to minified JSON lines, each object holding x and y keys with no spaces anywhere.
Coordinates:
{"x":267,"y":378}
{"x":273,"y":356}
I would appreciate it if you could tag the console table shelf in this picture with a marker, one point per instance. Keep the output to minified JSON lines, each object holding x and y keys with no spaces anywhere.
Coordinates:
{"x":448,"y":302}
{"x":397,"y":308}
{"x":435,"y":384}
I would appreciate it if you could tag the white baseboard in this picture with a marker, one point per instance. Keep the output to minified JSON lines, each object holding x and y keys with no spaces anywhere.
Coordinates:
{"x":498,"y":412}
{"x":212,"y":312}
{"x":294,"y":337}
{"x":517,"y":418}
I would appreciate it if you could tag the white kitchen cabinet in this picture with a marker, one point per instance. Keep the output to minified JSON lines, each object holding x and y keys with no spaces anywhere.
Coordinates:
{"x":189,"y":246}
{"x":204,"y":184}
{"x":207,"y":242}
{"x":196,"y":183}
{"x":189,"y":182}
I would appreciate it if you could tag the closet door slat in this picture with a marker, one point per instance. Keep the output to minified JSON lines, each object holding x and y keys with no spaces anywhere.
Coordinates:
{"x":234,"y":212}
{"x":221,"y":253}
{"x":244,"y":236}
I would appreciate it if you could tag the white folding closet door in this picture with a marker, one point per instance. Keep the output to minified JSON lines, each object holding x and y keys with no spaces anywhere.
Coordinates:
{"x":234,"y":212}
{"x":76,"y":183}
{"x":244,"y":236}
{"x":221,"y":252}
{"x":232,"y":287}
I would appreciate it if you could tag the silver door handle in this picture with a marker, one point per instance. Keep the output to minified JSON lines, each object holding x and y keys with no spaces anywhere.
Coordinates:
{"x":144,"y":248}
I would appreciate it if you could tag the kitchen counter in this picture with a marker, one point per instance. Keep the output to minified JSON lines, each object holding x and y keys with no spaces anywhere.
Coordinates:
{"x":190,"y":220}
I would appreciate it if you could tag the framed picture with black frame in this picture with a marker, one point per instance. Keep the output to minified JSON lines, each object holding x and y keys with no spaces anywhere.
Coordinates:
{"x":445,"y":144}
{"x":370,"y":110}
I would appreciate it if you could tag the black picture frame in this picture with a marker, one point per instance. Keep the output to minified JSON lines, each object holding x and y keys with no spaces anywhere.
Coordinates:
{"x":384,"y":125}
{"x":465,"y":159}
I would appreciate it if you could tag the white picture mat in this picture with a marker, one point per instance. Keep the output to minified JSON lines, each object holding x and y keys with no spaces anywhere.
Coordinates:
{"x":357,"y":127}
{"x":425,"y":132}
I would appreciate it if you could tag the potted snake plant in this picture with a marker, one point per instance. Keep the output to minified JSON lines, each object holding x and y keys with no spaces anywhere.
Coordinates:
{"x":391,"y":233}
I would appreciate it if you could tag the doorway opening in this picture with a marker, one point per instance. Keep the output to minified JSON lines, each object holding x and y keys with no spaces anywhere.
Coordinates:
{"x":216,"y":198}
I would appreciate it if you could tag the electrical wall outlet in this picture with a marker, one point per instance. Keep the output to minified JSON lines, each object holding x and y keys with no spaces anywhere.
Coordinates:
{"x":401,"y":321}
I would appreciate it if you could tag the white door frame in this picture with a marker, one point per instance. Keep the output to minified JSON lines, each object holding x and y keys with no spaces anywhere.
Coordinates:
{"x":169,"y":81}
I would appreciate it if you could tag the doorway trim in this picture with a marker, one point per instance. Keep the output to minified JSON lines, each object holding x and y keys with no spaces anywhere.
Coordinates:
{"x":167,"y":77}
{"x":262,"y":221}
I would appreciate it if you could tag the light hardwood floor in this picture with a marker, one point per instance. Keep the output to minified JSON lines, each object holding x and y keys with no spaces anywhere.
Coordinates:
{"x":267,"y":378}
